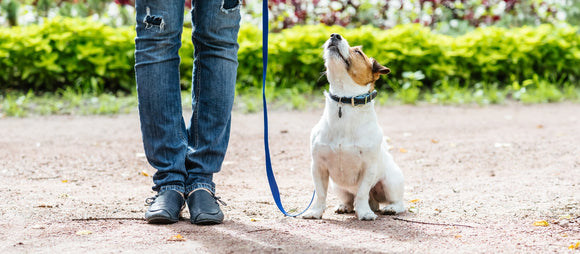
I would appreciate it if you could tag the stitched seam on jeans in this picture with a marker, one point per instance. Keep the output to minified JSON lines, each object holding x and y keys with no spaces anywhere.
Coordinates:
{"x":196,"y":186}
{"x":177,"y":188}
{"x":195,"y":85}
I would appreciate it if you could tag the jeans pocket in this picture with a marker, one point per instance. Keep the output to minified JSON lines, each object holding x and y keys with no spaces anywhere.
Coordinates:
{"x":230,"y":5}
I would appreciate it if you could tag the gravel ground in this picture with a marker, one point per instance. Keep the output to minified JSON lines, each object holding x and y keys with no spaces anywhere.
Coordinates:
{"x":477,"y":180}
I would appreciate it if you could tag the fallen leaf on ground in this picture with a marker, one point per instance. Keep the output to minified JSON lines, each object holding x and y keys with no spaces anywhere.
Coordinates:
{"x":568,"y":216}
{"x":64,"y":181}
{"x":84,"y":232}
{"x":541,"y":223}
{"x":434,"y":141}
{"x":143,"y":173}
{"x":574,"y":246}
{"x":177,"y":237}
{"x":403,"y":150}
{"x":413,"y":209}
{"x":414,"y":200}
{"x":457,"y":236}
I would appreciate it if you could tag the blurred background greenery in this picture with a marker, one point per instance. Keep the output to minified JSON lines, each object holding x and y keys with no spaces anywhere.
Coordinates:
{"x":440,"y":51}
{"x":445,"y":16}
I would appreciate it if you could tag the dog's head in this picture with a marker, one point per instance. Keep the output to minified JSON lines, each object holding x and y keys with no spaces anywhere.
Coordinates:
{"x":346,"y":65}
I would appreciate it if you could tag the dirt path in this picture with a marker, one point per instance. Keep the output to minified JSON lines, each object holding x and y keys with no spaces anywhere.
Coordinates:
{"x":494,"y":170}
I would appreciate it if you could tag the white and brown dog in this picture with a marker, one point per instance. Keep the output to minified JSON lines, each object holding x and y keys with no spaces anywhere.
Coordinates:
{"x":347,"y":143}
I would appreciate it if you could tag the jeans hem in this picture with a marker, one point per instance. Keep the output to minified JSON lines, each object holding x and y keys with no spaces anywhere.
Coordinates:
{"x":177,"y":188}
{"x":195,"y":186}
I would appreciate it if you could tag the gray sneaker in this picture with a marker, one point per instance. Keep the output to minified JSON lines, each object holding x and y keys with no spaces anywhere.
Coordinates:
{"x":165,"y":207}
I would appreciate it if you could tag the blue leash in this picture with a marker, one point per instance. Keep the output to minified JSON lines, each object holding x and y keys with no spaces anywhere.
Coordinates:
{"x":269,"y":171}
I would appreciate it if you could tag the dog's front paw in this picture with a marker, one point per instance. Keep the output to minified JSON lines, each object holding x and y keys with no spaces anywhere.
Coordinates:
{"x":313,"y":214}
{"x":393,"y":209}
{"x":344,"y":209}
{"x":367,"y":215}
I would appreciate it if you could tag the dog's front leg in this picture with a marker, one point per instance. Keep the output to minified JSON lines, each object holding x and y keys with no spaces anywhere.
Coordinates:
{"x":361,"y":203}
{"x":320,"y":177}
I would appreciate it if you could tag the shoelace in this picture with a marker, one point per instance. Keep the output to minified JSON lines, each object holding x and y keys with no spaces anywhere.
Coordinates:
{"x":219,"y":200}
{"x":150,"y":200}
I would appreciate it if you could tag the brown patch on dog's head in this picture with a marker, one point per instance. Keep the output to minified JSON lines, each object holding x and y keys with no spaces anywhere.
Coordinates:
{"x":364,"y":70}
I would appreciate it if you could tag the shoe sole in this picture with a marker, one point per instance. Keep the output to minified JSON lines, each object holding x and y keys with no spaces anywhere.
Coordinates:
{"x":161,"y":220}
{"x":208,"y":221}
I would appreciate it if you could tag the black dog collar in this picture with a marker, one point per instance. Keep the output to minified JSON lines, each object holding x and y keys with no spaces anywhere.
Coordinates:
{"x":356,"y":100}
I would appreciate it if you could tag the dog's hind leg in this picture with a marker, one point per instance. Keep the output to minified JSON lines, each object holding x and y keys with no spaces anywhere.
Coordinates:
{"x":374,"y":204}
{"x":393,"y":187}
{"x":347,"y":199}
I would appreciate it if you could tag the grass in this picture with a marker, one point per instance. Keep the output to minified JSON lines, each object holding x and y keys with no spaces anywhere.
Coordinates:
{"x":301,"y":97}
{"x":68,"y":102}
{"x":452,"y":92}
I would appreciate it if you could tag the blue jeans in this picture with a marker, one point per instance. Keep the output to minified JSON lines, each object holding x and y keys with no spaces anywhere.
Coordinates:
{"x":186,"y":157}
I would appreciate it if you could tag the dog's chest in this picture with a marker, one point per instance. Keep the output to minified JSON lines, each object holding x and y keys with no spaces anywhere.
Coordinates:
{"x":346,"y":147}
{"x":345,"y":163}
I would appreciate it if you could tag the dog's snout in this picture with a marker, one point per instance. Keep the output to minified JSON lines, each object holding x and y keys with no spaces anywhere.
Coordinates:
{"x":336,"y":37}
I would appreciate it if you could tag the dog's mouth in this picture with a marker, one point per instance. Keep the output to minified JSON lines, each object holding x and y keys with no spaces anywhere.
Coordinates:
{"x":333,"y":48}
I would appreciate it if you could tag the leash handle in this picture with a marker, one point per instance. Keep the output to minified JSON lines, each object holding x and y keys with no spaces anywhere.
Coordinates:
{"x":269,"y":171}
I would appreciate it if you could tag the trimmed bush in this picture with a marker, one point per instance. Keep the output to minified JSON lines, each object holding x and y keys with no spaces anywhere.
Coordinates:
{"x":65,"y":52}
{"x":91,"y":57}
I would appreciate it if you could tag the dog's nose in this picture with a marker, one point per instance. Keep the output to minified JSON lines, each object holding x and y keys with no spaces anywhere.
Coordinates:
{"x":336,"y":36}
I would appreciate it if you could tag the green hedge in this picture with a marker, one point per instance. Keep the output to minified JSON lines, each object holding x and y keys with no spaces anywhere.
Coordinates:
{"x":490,"y":55}
{"x":66,"y":52}
{"x":88,"y":56}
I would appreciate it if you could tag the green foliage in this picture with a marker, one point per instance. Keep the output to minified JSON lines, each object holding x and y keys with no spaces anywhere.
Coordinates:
{"x":10,"y":7}
{"x":15,"y":105}
{"x":488,"y":55}
{"x":65,"y":52}
{"x":89,"y":57}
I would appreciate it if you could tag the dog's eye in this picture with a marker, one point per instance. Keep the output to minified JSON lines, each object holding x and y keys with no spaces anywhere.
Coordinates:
{"x":358,"y":52}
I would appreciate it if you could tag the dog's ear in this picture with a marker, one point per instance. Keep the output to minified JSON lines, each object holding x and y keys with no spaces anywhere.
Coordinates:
{"x":378,"y":68}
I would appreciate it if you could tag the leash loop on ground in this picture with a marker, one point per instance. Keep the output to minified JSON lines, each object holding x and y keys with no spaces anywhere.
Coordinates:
{"x":269,"y":171}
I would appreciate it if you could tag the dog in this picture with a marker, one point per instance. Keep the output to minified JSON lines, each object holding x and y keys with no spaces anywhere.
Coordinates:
{"x":347,"y":144}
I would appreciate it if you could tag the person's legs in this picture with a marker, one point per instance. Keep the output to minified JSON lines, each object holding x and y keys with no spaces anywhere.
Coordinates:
{"x":159,"y":27}
{"x":215,"y":33}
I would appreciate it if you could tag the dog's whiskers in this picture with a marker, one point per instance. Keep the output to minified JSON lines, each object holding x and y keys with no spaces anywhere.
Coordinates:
{"x":322,"y":74}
